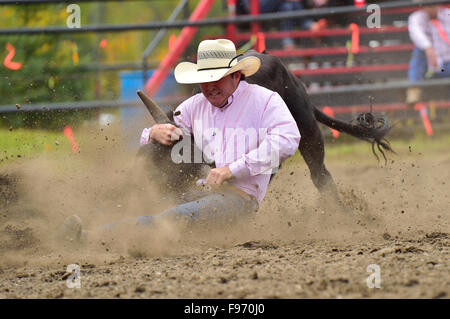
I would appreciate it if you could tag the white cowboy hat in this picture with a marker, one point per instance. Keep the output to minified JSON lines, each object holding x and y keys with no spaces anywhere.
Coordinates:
{"x":215,"y":59}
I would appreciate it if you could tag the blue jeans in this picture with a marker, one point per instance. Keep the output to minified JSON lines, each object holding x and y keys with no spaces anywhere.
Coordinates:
{"x":214,"y":209}
{"x":418,"y":67}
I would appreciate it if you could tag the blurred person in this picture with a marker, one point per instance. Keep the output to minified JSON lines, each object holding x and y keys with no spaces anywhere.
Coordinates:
{"x":270,"y":6}
{"x":303,"y":23}
{"x":226,"y":103}
{"x":429,"y":30}
{"x":309,"y":23}
{"x":265,"y":6}
{"x":341,"y":20}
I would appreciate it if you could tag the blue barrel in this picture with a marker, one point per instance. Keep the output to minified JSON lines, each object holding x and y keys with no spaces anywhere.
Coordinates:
{"x":131,"y":81}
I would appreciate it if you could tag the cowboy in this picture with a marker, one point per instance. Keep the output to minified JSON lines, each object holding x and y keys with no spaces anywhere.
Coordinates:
{"x":247,"y":130}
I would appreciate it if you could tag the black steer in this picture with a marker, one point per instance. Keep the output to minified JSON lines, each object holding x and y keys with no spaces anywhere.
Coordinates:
{"x":274,"y":75}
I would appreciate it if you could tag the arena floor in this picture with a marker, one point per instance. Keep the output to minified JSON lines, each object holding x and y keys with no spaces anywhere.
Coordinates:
{"x":395,"y":220}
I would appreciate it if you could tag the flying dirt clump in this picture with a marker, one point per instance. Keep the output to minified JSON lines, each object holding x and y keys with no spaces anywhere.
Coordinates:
{"x":8,"y":189}
{"x":14,"y":238}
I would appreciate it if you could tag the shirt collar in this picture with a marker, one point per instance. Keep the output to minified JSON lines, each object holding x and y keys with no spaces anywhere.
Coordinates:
{"x":241,"y":87}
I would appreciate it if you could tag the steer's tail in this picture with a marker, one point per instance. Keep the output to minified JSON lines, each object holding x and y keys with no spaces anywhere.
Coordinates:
{"x":365,"y":126}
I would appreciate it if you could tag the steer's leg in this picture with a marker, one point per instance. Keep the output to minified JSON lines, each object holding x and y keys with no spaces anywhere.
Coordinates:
{"x":312,"y":149}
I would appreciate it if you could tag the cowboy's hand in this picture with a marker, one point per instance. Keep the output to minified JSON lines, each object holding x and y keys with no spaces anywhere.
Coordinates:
{"x":217,"y":176}
{"x":166,"y":134}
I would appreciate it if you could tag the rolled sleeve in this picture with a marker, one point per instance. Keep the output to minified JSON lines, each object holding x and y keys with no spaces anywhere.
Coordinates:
{"x":239,"y":168}
{"x":145,"y":136}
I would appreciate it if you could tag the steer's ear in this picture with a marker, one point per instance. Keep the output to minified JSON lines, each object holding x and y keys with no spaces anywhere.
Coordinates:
{"x":155,"y":111}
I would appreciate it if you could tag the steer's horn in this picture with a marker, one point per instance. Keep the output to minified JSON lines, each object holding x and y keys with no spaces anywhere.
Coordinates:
{"x":156,"y":112}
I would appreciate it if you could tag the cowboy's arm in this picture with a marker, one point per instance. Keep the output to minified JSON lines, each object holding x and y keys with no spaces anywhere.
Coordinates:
{"x":417,"y":23}
{"x":281,"y":141}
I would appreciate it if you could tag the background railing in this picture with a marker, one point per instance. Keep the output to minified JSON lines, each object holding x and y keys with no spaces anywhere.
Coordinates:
{"x":322,"y":62}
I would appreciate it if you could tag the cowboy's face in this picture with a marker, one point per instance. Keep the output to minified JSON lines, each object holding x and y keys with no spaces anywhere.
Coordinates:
{"x":218,"y":92}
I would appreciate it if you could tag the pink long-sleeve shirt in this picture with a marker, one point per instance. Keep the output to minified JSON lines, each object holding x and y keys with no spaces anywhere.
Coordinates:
{"x":252,"y":134}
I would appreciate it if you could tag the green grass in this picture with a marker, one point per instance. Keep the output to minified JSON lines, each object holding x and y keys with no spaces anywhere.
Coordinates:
{"x":348,"y":149}
{"x":418,"y":143}
{"x":23,"y":143}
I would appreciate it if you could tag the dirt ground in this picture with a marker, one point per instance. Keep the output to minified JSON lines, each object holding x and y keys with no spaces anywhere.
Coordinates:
{"x":396,"y":217}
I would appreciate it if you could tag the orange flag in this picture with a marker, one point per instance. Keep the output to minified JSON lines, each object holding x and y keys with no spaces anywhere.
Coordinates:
{"x":424,"y":115}
{"x":260,"y":42}
{"x":7,"y":62}
{"x":103,"y":43}
{"x":69,"y":134}
{"x":75,"y":57}
{"x":355,"y":37}
{"x":330,"y":112}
